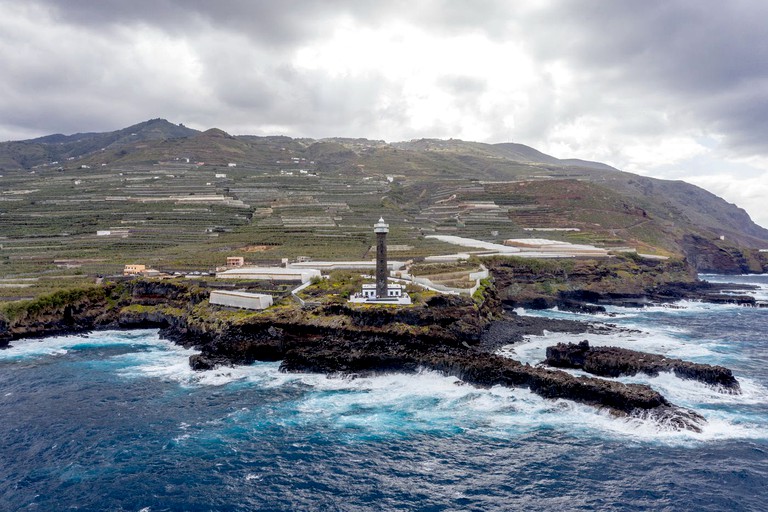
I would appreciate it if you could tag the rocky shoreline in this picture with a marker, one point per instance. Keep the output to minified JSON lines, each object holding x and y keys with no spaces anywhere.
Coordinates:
{"x":452,"y":335}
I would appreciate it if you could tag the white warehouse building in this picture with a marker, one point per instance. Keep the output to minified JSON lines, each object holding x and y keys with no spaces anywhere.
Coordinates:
{"x":329,"y":266}
{"x":243,"y":300}
{"x":301,"y":275}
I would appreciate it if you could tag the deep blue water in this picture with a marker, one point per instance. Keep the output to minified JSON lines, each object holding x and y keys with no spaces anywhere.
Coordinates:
{"x":117,"y":421}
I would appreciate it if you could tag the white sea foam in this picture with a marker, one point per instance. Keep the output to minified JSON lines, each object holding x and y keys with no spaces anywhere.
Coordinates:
{"x":432,"y":401}
{"x":152,"y":357}
{"x":692,"y":393}
{"x":59,"y":345}
{"x":621,"y":313}
{"x":533,"y":349}
{"x":728,"y":415}
{"x":171,"y":363}
{"x":642,"y":329}
{"x":396,"y":403}
{"x":680,"y":391}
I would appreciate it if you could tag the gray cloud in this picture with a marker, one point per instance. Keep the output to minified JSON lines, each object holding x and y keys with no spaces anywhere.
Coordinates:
{"x":462,"y":84}
{"x":701,"y":46}
{"x":705,"y":59}
{"x":642,"y":66}
{"x":274,"y":23}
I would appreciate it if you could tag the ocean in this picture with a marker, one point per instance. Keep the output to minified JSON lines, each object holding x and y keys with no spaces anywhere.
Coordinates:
{"x":116,"y":420}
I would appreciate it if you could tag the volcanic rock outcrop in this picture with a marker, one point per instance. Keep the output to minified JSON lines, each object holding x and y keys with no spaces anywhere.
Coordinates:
{"x":617,"y":362}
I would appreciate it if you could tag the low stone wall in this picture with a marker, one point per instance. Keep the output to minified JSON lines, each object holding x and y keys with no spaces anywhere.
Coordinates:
{"x":476,"y":276}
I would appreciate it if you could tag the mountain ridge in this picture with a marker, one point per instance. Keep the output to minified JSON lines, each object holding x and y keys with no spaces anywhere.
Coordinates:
{"x":159,"y":129}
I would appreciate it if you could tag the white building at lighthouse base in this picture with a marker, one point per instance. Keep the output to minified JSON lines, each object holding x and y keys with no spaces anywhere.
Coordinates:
{"x":395,"y":295}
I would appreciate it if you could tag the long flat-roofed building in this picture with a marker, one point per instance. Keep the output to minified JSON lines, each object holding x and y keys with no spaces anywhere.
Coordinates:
{"x":243,"y":300}
{"x":301,"y":275}
{"x":328,"y":266}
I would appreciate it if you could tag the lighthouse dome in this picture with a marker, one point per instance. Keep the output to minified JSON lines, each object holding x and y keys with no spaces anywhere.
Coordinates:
{"x":381,"y":226}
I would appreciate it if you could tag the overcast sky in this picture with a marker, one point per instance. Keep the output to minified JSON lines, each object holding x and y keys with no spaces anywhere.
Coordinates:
{"x":670,"y":88}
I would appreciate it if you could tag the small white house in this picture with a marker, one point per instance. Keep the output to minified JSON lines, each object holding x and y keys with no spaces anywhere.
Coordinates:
{"x":243,"y":300}
{"x":395,"y":295}
{"x":393,"y":290}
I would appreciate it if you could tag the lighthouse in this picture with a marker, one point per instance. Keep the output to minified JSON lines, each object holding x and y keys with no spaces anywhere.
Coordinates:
{"x":381,"y":229}
{"x":382,"y":292}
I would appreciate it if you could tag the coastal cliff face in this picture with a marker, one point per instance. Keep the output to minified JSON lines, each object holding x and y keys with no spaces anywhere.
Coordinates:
{"x":133,"y":304}
{"x":710,"y":256}
{"x":58,"y":313}
{"x":440,"y":321}
{"x":183,"y":311}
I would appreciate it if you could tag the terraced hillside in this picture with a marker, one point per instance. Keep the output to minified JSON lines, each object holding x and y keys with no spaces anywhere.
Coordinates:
{"x":178,"y":199}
